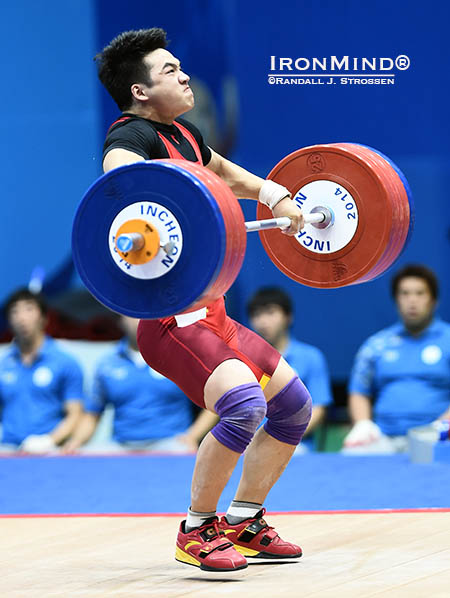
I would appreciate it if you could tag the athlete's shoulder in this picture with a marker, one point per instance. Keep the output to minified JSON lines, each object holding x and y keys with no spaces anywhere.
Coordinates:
{"x":132,"y":133}
{"x":130,"y":123}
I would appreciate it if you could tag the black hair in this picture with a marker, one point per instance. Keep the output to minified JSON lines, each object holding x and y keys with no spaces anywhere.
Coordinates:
{"x":120,"y":64}
{"x":269,"y":296}
{"x":24,"y":294}
{"x":417,"y":271}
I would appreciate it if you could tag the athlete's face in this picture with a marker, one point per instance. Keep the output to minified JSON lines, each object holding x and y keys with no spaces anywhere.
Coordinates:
{"x":271,"y":322}
{"x":26,"y":319}
{"x":169,"y":92}
{"x":415,"y":303}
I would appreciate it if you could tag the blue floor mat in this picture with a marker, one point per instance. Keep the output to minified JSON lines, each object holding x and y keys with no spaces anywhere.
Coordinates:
{"x":160,"y":484}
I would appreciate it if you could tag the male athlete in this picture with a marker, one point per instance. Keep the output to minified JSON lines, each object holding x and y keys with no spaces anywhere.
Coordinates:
{"x":218,"y":363}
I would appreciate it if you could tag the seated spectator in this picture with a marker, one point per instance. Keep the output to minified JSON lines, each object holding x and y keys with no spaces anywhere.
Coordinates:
{"x":401,"y":375}
{"x":40,"y":385}
{"x":150,"y":412}
{"x":270,"y":314}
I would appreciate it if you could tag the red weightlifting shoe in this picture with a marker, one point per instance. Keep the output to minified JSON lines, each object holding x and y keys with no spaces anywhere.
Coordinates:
{"x":254,"y":538}
{"x":208,"y":548}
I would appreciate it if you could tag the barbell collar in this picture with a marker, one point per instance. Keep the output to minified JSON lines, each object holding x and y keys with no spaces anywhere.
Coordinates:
{"x":130,"y":242}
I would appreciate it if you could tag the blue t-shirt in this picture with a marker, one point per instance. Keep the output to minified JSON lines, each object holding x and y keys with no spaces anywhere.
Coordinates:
{"x":310,"y":365}
{"x":147,"y":406}
{"x":408,"y":377}
{"x":32,"y":397}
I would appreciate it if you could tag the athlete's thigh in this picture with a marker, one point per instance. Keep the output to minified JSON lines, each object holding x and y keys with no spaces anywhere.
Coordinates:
{"x":271,"y":369}
{"x":186,"y":355}
{"x":262,"y":358}
{"x":281,"y":376}
{"x":228,"y":375}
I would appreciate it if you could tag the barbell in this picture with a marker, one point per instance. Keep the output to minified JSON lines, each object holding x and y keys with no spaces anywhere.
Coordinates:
{"x":157,"y":238}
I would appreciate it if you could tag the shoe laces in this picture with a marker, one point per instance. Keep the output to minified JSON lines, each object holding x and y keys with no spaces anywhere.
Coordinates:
{"x":260,"y":515}
{"x":212,"y":523}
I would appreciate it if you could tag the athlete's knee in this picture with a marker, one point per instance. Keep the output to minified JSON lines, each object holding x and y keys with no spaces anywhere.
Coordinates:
{"x":289,"y":413}
{"x":241,"y":410}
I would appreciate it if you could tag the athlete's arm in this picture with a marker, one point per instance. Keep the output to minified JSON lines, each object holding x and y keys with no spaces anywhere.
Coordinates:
{"x":243,"y":183}
{"x":246,"y":185}
{"x":119,"y":157}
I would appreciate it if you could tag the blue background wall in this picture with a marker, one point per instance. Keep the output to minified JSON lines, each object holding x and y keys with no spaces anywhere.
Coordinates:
{"x":49,"y":129}
{"x":55,"y":115}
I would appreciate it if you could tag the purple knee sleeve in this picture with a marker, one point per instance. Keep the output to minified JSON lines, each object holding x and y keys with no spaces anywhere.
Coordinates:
{"x":241,"y":410}
{"x":289,"y":412}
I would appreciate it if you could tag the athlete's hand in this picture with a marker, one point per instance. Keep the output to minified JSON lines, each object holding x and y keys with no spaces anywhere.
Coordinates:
{"x":287,"y":208}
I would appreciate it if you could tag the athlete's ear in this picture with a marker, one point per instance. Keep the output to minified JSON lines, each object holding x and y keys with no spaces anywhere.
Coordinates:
{"x":138,"y":91}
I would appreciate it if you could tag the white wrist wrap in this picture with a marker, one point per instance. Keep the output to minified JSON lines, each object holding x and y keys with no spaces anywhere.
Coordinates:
{"x":272,"y":193}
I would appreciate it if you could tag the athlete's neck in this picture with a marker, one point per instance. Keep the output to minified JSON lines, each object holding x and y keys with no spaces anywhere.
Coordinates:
{"x":151,"y":114}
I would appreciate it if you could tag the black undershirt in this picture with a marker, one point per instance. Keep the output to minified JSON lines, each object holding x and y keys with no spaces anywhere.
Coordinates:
{"x":139,"y":135}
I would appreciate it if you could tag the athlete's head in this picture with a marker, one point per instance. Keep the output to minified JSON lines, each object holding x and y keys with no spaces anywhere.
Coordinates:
{"x":26,"y":313}
{"x":415,"y":290}
{"x":270,"y":314}
{"x":139,"y":72}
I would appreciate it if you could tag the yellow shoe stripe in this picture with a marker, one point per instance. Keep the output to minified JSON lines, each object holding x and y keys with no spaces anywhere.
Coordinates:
{"x":246,"y":551}
{"x":184,"y":557}
{"x":192,"y":543}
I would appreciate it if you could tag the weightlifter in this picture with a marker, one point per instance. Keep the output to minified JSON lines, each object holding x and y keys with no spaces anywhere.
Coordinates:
{"x":218,"y":363}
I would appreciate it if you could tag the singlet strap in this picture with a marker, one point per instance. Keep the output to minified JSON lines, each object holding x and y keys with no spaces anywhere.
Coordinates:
{"x":172,"y":150}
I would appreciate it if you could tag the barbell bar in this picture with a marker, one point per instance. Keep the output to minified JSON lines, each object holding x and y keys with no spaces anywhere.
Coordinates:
{"x":134,"y":241}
